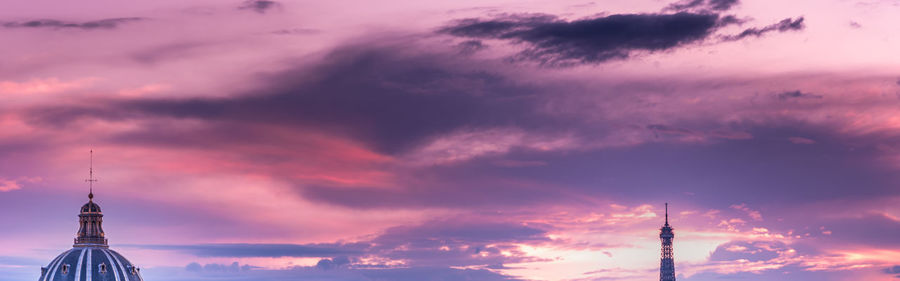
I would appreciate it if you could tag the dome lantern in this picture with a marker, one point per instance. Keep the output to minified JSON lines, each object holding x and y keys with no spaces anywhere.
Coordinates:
{"x":90,"y":230}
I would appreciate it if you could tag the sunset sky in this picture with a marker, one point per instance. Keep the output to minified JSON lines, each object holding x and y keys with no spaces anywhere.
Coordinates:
{"x":411,"y":140}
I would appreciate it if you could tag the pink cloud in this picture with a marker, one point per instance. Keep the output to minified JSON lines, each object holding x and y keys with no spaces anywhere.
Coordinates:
{"x":753,"y":214}
{"x":43,"y":86}
{"x":144,"y":90}
{"x":465,"y":145}
{"x":8,"y":185}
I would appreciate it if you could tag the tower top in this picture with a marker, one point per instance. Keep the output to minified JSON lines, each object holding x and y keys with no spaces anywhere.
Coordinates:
{"x":666,"y":229}
{"x":667,"y":256}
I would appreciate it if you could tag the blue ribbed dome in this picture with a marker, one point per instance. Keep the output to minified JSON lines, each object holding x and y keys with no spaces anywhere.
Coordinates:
{"x":90,"y":264}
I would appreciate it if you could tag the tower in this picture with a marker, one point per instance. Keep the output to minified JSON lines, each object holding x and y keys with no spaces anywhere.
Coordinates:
{"x":90,"y":259}
{"x":667,"y":259}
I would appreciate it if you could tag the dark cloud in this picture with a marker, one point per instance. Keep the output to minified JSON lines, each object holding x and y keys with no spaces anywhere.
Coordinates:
{"x":431,"y":273}
{"x":702,"y":5}
{"x":789,"y":272}
{"x":803,"y":174}
{"x":57,"y":24}
{"x":260,"y":6}
{"x":469,"y":47}
{"x":784,"y":25}
{"x":446,"y":188}
{"x":462,"y":231}
{"x":333,"y":263}
{"x":721,"y":5}
{"x":797,"y":95}
{"x":894,"y":270}
{"x":458,"y":243}
{"x":657,"y":128}
{"x":855,"y":24}
{"x":433,"y":244}
{"x":196,"y":272}
{"x":394,"y":100}
{"x":730,"y":20}
{"x":262,"y":250}
{"x":195,"y":267}
{"x":555,"y":41}
{"x":666,"y":130}
{"x":171,"y":51}
{"x":685,"y":5}
{"x":388,"y":100}
{"x":875,"y":230}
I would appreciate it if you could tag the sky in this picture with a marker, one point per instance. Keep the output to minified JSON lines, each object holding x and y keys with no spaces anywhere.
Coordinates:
{"x":396,"y":140}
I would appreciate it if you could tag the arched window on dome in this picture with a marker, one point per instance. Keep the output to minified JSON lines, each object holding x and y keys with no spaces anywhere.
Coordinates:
{"x":102,"y":268}
{"x":65,"y":269}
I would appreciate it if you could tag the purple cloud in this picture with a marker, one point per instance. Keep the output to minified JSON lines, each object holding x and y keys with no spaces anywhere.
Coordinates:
{"x":58,"y":24}
{"x":702,"y":5}
{"x":260,"y":6}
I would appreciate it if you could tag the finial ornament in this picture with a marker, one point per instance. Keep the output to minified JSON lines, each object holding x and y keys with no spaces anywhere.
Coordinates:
{"x":91,"y":178}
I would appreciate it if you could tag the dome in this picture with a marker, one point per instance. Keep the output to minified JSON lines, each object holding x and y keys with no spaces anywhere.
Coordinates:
{"x":90,"y":264}
{"x":90,"y":259}
{"x":90,"y":207}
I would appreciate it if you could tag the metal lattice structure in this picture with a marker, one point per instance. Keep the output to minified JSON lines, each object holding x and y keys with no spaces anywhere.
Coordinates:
{"x":667,"y":258}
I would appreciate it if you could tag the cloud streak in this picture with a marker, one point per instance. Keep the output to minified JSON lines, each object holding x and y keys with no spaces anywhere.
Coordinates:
{"x":784,"y":25}
{"x":110,"y":23}
{"x":261,"y":250}
{"x":797,"y":95}
{"x":702,"y":5}
{"x":260,"y":6}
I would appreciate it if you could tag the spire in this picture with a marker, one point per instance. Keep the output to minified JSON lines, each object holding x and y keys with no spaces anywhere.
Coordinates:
{"x":91,"y":178}
{"x":667,"y":257}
